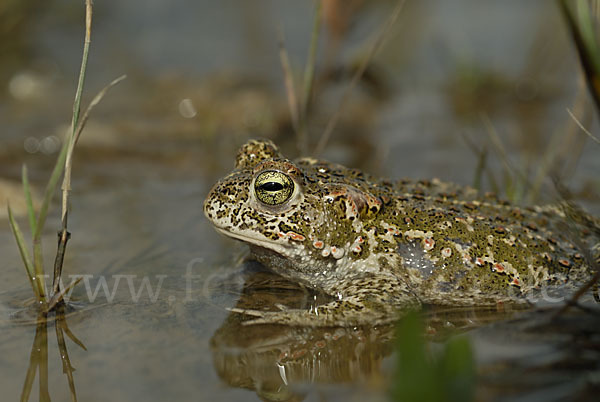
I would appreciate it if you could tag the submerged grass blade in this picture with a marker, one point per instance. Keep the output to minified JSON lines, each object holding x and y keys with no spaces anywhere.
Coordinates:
{"x":29,"y":202}
{"x":73,"y":337}
{"x":42,"y":347}
{"x":28,"y":384}
{"x":23,"y":250}
{"x":66,"y":361}
{"x":34,"y":362}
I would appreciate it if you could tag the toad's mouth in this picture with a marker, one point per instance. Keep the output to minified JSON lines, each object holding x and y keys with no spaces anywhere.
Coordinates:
{"x":283,"y":249}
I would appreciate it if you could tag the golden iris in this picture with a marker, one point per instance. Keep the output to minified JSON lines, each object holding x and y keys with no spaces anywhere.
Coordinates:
{"x":273,"y":187}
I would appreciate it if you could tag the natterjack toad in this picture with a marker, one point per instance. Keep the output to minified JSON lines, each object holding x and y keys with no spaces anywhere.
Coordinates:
{"x":378,"y":247}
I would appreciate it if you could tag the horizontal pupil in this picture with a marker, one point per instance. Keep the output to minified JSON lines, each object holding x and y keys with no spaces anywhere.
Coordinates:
{"x":272,"y":186}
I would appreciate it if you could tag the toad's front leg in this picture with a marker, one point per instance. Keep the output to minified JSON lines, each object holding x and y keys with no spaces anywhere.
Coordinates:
{"x":366,"y":300}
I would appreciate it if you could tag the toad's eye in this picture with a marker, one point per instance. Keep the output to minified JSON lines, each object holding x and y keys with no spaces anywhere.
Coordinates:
{"x":273,"y":187}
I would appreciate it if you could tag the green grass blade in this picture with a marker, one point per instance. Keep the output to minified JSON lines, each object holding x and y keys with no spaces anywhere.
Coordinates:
{"x":457,"y":370}
{"x":38,"y":269}
{"x":27,"y":191}
{"x":415,"y":378}
{"x":581,"y":26}
{"x":50,"y":190}
{"x":41,"y":221}
{"x":60,"y":162}
{"x":23,"y":250}
{"x":586,"y":27}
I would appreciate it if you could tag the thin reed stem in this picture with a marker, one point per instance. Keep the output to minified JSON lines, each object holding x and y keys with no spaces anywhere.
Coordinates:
{"x":357,"y":76}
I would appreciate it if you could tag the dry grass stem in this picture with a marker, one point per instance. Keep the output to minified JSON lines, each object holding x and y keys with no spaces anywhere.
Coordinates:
{"x":58,"y":297}
{"x":357,"y":76}
{"x":309,"y":74}
{"x":66,"y":186}
{"x":309,"y":70}
{"x":77,"y":126}
{"x":288,"y":77}
{"x":580,"y":292}
{"x":84,"y":59}
{"x":497,"y":143}
{"x":585,"y":130}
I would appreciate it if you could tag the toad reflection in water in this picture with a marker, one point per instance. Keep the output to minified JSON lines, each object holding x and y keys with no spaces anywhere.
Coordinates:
{"x":279,"y":361}
{"x":377,"y":247}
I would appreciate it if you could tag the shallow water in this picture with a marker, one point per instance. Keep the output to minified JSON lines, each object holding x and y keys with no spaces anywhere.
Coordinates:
{"x":160,"y":330}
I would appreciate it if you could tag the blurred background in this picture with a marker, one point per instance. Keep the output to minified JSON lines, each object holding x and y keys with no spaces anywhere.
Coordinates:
{"x":207,"y":76}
